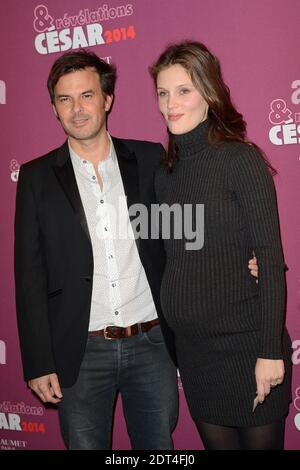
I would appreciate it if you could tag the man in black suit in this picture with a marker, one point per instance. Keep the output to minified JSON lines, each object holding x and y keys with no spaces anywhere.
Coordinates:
{"x":88,"y":299}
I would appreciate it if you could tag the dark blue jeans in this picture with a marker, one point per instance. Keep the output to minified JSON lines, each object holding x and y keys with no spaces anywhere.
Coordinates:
{"x":140,"y":369}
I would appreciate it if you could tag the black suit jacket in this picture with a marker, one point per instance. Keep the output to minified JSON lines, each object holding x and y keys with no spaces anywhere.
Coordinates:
{"x":54,"y":259}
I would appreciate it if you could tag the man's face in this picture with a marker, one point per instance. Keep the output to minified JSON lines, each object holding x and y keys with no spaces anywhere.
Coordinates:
{"x":80,"y":105}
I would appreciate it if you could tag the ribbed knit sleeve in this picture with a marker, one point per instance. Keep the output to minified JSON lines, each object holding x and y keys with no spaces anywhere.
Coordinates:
{"x":254,"y":188}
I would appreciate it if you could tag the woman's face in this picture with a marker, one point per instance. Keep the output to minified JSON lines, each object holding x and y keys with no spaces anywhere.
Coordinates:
{"x":180,"y":102}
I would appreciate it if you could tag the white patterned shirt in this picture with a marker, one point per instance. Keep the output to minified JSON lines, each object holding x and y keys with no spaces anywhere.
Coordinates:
{"x":121,"y":294}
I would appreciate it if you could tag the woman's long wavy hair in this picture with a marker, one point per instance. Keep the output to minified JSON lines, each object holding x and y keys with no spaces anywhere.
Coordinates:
{"x":226,"y":123}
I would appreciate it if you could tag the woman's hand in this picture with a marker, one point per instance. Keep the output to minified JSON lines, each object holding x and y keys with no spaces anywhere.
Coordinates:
{"x":268,"y":373}
{"x":253,"y":267}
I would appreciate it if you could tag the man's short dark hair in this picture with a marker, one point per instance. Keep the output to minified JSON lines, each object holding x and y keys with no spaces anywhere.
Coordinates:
{"x":80,"y":60}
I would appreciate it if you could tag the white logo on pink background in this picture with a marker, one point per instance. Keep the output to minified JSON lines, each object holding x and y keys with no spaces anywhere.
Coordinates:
{"x":79,"y":30}
{"x":2,"y":92}
{"x":2,"y":352}
{"x":14,"y":170}
{"x":296,"y":361}
{"x":12,"y":444}
{"x":297,"y":406}
{"x":296,"y":353}
{"x":286,"y":122}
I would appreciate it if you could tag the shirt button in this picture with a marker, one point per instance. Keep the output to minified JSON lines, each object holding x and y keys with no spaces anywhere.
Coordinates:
{"x":101,"y":202}
{"x":84,"y":161}
{"x":110,"y":257}
{"x":114,"y":284}
{"x":116,"y":312}
{"x":93,"y":177}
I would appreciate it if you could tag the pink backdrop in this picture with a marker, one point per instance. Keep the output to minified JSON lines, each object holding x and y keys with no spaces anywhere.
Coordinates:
{"x":257,"y":42}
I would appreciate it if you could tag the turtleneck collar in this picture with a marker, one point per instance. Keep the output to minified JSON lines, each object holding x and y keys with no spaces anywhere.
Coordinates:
{"x":194,"y":141}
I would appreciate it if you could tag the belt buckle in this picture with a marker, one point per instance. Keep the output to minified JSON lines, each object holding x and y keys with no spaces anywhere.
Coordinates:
{"x":105,"y":333}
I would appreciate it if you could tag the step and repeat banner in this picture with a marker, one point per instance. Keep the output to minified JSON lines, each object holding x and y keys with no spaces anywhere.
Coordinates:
{"x":257,"y":42}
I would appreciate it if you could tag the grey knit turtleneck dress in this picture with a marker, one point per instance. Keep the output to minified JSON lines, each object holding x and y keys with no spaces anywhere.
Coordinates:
{"x":222,"y":319}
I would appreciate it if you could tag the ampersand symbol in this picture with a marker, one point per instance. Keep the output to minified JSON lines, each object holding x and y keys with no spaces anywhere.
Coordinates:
{"x":279,"y":112}
{"x":42,"y":20}
{"x":297,"y":399}
{"x":14,"y":165}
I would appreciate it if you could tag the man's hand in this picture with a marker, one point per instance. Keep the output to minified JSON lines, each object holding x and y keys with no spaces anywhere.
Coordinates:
{"x":252,"y":266}
{"x":47,"y":388}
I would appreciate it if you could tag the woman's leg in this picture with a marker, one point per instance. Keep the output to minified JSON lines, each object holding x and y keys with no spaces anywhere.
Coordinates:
{"x":216,"y":437}
{"x":267,"y":437}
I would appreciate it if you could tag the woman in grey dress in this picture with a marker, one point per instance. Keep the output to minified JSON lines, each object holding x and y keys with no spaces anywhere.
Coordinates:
{"x":232,"y":346}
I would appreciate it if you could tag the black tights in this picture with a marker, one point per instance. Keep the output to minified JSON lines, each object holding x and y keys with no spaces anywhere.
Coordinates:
{"x":267,"y":437}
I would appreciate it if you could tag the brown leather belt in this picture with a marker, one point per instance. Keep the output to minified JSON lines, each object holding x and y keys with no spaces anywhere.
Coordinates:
{"x":118,"y":332}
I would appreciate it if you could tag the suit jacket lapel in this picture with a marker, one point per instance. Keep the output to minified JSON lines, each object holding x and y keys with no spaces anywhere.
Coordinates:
{"x":129,"y":171}
{"x":130,"y":174}
{"x":66,"y":177}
